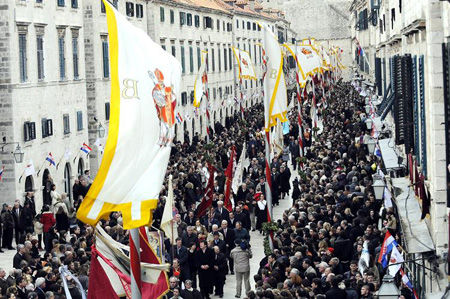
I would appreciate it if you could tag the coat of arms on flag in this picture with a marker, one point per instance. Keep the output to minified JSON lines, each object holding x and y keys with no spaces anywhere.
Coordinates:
{"x":246,"y":68}
{"x":145,"y":82}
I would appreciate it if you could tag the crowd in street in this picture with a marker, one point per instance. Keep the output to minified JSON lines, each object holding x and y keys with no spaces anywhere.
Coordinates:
{"x":317,"y":243}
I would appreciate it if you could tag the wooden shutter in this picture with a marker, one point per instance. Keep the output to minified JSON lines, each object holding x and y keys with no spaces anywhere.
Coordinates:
{"x":415,"y":97}
{"x":44,"y":127}
{"x":49,"y":127}
{"x":79,"y":120}
{"x":378,"y":75}
{"x":26,"y":131}
{"x":423,"y":126}
{"x":32,"y":130}
{"x":107,"y":110}
{"x":446,"y":66}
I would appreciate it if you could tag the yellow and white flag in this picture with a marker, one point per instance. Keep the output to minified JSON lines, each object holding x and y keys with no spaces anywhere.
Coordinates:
{"x":145,"y":83}
{"x":246,"y":68}
{"x":275,"y":99}
{"x":309,"y":61}
{"x":200,"y":81}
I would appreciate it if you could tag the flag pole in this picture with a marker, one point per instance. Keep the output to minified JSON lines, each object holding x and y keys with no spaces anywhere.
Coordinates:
{"x":40,"y":168}
{"x":268,"y":185}
{"x":60,"y":161}
{"x":135,"y":264}
{"x":76,"y":156}
{"x":207,"y":99}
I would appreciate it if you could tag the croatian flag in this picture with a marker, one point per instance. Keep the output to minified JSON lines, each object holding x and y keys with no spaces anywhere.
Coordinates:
{"x":1,"y":172}
{"x":85,"y":148}
{"x":179,"y":118}
{"x":50,"y":159}
{"x":405,"y":279}
{"x":388,"y":244}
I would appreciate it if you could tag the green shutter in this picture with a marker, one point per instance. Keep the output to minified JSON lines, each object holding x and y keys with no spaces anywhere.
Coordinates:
{"x":423,"y":126}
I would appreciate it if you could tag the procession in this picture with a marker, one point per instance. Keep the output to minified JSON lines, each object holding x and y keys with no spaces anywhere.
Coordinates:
{"x":314,"y":185}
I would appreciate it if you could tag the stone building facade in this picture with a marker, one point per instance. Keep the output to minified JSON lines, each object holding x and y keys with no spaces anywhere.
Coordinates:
{"x":55,"y":77}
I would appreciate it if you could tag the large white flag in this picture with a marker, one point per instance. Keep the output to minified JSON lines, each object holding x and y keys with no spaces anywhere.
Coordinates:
{"x":397,"y":260}
{"x":201,"y":80}
{"x":275,"y":104}
{"x":167,"y":223}
{"x":30,"y":169}
{"x":309,"y":61}
{"x":246,"y":68}
{"x":145,"y":83}
{"x":238,"y":173}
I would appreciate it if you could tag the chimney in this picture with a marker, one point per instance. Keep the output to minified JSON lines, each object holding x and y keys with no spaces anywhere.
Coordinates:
{"x":251,"y":3}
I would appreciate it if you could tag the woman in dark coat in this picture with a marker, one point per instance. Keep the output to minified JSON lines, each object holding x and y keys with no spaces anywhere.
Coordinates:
{"x":296,"y":191}
{"x":62,"y":221}
{"x":261,"y":211}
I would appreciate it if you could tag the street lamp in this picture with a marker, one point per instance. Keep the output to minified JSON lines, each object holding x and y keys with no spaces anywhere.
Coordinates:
{"x":367,"y":100}
{"x":388,"y":289}
{"x":369,"y":122}
{"x":367,"y":109}
{"x":371,"y":143}
{"x":101,"y":131}
{"x":18,"y":154}
{"x":378,"y":189}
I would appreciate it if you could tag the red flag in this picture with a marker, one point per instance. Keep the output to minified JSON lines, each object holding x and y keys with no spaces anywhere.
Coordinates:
{"x":97,"y":278}
{"x":229,"y":172}
{"x":207,"y":199}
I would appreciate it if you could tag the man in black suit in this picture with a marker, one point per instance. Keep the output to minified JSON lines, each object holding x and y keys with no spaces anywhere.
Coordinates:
{"x":30,"y":200}
{"x":17,"y":217}
{"x":220,"y":271}
{"x":231,"y":220}
{"x":221,"y":212}
{"x":204,"y":261}
{"x":242,"y":217}
{"x":21,"y":283}
{"x":217,"y":242}
{"x":228,"y":237}
{"x":19,"y":257}
{"x":3,"y":282}
{"x":180,"y":252}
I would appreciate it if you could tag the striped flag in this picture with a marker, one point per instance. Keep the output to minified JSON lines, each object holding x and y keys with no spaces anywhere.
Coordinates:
{"x":1,"y":172}
{"x":86,"y":148}
{"x":179,"y":118}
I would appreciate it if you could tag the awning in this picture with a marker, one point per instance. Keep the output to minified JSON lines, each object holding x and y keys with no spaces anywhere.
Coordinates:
{"x":416,"y":234}
{"x":390,"y":158}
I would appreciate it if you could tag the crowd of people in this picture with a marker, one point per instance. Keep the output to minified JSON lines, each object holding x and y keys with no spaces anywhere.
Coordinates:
{"x":317,"y":244}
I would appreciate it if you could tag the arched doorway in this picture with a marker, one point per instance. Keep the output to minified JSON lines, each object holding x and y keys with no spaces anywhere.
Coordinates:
{"x":214,"y":117}
{"x":220,"y":115}
{"x":80,"y":168}
{"x":29,"y":184}
{"x":46,"y":190}
{"x":67,"y":182}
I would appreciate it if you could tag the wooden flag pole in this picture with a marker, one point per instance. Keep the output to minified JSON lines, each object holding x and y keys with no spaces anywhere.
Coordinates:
{"x":60,"y":161}
{"x":40,"y":168}
{"x":135,"y":264}
{"x":76,"y":156}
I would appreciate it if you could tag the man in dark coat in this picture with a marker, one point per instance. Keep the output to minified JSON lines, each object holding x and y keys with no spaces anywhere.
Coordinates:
{"x":189,"y":292}
{"x":204,"y":261}
{"x":8,"y":228}
{"x":221,"y":212}
{"x":335,"y":292}
{"x":180,"y":253}
{"x":189,"y":237}
{"x":219,"y":243}
{"x":3,"y":283}
{"x":228,"y":237}
{"x":19,"y":257}
{"x":29,"y":199}
{"x":220,"y":271}
{"x":18,"y":225}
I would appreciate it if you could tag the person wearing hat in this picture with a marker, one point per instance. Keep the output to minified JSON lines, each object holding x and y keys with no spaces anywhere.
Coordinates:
{"x":40,"y":286}
{"x":241,"y":255}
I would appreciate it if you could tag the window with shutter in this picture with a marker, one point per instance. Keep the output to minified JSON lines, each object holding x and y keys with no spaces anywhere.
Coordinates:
{"x":75,"y":57}
{"x":183,"y":60}
{"x":225,"y":64}
{"x":44,"y":127}
{"x":189,"y":19}
{"x":237,"y":24}
{"x":408,"y":104}
{"x":49,"y":127}
{"x":129,"y":6}
{"x":446,"y":66}
{"x":74,"y":3}
{"x":107,"y":110}
{"x":423,"y":126}
{"x":115,"y":3}
{"x":62,"y":59}
{"x":392,"y":17}
{"x":26,"y":131}
{"x":23,"y":57}
{"x":61,"y":3}
{"x":79,"y":120}
{"x":139,"y":11}
{"x":102,"y":7}
{"x":174,"y":52}
{"x":199,"y":57}
{"x":197,"y":21}
{"x":182,"y":18}
{"x":105,"y":49}
{"x":213,"y":62}
{"x":218,"y":25}
{"x":230,"y":61}
{"x":32,"y":130}
{"x":191,"y":59}
{"x":219,"y":58}
{"x":161,"y":14}
{"x":66,"y":123}
{"x":184,"y":98}
{"x":40,"y":56}
{"x":214,"y":93}
{"x":378,"y":75}
{"x":172,"y":17}
{"x":415,"y":96}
